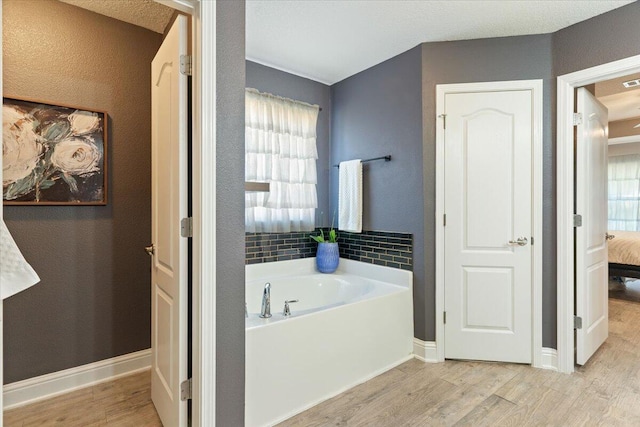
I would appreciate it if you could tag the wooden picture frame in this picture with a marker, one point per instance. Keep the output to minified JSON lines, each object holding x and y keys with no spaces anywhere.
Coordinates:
{"x":53,"y":154}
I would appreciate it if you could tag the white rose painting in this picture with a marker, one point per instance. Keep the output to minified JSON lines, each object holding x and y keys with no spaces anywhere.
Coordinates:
{"x":53,"y":155}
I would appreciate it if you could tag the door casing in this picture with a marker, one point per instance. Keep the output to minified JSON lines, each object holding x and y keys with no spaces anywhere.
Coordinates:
{"x":536,"y":87}
{"x":566,"y":85}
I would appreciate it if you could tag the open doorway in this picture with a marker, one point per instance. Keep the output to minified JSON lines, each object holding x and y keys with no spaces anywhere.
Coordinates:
{"x":621,"y":96}
{"x":574,"y":302}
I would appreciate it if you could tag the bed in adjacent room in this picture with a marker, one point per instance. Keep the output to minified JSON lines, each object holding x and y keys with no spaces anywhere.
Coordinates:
{"x":624,"y":254}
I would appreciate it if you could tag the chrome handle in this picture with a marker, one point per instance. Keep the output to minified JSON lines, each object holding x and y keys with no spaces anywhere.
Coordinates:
{"x":522,"y":241}
{"x":287,"y":310}
{"x":608,"y":236}
{"x":151,"y":249}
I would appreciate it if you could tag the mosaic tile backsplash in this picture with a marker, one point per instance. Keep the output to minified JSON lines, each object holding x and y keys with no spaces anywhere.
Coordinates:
{"x":376,"y":247}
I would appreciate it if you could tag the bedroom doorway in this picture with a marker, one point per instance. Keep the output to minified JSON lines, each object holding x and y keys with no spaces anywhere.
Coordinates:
{"x":622,"y":95}
{"x":583,"y":213}
{"x":607,"y":202}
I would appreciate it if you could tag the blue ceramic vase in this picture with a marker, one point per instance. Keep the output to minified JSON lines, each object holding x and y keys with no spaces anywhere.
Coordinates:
{"x":328,"y":257}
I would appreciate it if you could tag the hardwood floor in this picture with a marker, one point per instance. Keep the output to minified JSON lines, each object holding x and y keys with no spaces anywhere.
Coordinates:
{"x":629,"y":291}
{"x":122,"y":402}
{"x":606,"y":391}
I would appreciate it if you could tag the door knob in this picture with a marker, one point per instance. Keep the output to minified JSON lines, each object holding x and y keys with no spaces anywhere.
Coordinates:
{"x":151,"y":249}
{"x":522,"y":241}
{"x":608,"y":236}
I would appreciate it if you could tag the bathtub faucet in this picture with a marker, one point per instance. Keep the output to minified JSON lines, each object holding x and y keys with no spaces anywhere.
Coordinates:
{"x":265,"y":311}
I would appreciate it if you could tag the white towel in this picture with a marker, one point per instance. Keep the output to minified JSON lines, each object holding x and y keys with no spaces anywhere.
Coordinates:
{"x":15,"y":272}
{"x":350,"y":196}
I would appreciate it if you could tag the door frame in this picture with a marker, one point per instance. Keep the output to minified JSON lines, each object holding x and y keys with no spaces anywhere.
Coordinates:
{"x":536,"y":86}
{"x":566,"y":85}
{"x":203,"y":31}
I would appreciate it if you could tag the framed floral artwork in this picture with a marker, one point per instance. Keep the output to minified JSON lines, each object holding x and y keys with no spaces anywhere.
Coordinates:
{"x":53,"y":154}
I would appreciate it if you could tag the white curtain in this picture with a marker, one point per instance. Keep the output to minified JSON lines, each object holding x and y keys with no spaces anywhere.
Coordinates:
{"x":624,"y":192}
{"x":280,"y":148}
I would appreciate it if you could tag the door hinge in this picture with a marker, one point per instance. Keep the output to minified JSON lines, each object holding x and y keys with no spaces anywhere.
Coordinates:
{"x":577,"y":220}
{"x":444,"y":317}
{"x":444,"y":120}
{"x":444,"y":220}
{"x":186,"y":64}
{"x":186,"y":227}
{"x":185,"y":390}
{"x":577,"y":322}
{"x":577,"y":119}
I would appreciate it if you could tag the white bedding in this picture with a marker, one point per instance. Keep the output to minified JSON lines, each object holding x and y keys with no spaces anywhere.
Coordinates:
{"x":625,"y":248}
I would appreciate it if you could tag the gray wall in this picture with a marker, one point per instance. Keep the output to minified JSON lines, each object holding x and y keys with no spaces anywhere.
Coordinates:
{"x":230,"y":83}
{"x":375,"y":113}
{"x":508,"y":58}
{"x":280,"y":83}
{"x":93,"y":302}
{"x":604,"y":38}
{"x":390,"y":108}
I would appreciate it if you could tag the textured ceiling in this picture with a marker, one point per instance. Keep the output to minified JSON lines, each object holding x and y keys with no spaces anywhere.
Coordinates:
{"x":330,"y":40}
{"x":143,"y":13}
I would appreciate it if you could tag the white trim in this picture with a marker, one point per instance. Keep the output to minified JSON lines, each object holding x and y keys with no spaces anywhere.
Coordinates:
{"x":536,"y":86}
{"x":624,"y":139}
{"x":565,"y":209}
{"x":184,"y":6}
{"x":425,"y":351}
{"x":549,"y":359}
{"x":204,"y":124}
{"x":46,"y":386}
{"x":204,"y":214}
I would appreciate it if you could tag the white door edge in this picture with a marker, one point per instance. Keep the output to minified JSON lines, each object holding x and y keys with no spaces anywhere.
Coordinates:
{"x":203,"y":15}
{"x":565,"y":188}
{"x":536,"y":86}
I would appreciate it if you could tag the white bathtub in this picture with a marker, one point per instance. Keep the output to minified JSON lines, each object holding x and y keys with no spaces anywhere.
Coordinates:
{"x":348,"y":327}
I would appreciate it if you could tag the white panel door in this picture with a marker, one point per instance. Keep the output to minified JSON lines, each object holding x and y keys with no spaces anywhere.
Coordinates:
{"x":592,"y":266}
{"x":488,"y":143}
{"x":169,"y":205}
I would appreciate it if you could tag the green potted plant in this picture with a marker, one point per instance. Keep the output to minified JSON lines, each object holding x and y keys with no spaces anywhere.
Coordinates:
{"x":328,"y":256}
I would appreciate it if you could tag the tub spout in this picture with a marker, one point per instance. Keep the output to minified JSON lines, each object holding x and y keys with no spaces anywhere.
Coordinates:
{"x":265,"y":311}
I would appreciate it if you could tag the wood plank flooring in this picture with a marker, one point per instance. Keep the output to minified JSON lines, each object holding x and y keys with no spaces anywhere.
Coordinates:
{"x":629,"y":291}
{"x":606,"y":391}
{"x":123,"y":402}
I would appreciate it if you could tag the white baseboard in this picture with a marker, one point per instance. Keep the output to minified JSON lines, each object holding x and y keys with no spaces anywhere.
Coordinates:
{"x":425,"y":350}
{"x":549,"y":358}
{"x":46,"y":386}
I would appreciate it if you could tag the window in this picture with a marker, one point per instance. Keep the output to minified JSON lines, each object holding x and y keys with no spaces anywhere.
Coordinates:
{"x":280,"y":148}
{"x":624,"y":192}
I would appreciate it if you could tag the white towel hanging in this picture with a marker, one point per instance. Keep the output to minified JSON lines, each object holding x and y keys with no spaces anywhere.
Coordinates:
{"x":15,"y":272}
{"x":350,"y":196}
